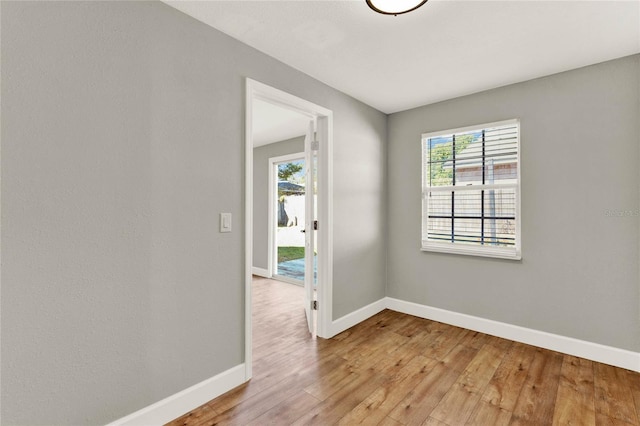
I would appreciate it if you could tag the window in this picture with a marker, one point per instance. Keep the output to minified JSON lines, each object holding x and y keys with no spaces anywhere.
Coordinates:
{"x":471,"y":190}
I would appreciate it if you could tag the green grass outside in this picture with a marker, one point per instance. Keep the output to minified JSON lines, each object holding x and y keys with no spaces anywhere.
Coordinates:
{"x":290,"y":253}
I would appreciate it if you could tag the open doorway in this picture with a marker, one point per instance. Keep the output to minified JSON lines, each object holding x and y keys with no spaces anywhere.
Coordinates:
{"x":291,"y":209}
{"x":289,"y":187}
{"x":316,"y":145}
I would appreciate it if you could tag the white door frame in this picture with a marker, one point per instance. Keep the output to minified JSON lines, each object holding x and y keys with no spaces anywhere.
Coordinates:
{"x":310,"y":164}
{"x":271,"y":215}
{"x":256,"y":90}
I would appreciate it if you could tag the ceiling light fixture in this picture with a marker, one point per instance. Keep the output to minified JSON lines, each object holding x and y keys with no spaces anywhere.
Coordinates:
{"x":395,"y":7}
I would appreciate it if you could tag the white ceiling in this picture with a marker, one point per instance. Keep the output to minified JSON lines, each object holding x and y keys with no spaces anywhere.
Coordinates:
{"x":445,"y":49}
{"x":274,"y":124}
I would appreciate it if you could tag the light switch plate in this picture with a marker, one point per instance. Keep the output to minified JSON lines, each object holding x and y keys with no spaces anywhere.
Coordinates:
{"x":225,"y":222}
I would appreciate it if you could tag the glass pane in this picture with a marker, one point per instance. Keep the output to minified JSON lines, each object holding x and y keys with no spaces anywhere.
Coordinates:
{"x":501,"y":155}
{"x":468,"y":161}
{"x":500,"y":213}
{"x":481,"y":157}
{"x":290,"y":211}
{"x":470,"y":224}
{"x":500,"y":203}
{"x":468,"y":231}
{"x":439,"y":204}
{"x":439,"y":229}
{"x":500,"y":232}
{"x":468,"y":204}
{"x":503,"y":171}
{"x":439,"y":153}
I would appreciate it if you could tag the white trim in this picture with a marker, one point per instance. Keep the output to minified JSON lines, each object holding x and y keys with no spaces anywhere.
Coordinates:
{"x":465,"y":129}
{"x":186,"y":400}
{"x":248,"y":226}
{"x":475,"y":187}
{"x":509,"y":253}
{"x":568,"y":345}
{"x":287,"y":158}
{"x":324,"y":295}
{"x":309,"y":217}
{"x":272,"y":250}
{"x":356,"y":317}
{"x":261,"y":272}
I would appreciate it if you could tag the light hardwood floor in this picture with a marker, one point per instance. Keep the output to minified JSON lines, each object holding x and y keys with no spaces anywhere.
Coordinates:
{"x":398,"y":369}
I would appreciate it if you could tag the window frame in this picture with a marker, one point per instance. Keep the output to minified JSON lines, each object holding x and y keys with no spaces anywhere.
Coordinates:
{"x":512,"y":253}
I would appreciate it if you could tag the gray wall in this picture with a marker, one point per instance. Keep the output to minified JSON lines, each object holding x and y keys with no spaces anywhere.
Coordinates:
{"x":579,"y":272}
{"x":261,"y":157}
{"x":122,"y":141}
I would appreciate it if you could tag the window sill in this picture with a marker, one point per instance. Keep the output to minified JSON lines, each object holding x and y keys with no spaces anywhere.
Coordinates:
{"x":486,"y":251}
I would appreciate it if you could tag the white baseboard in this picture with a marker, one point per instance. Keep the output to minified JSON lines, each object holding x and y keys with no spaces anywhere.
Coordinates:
{"x":568,"y":345}
{"x":261,"y":272}
{"x":184,"y":401}
{"x":349,"y":320}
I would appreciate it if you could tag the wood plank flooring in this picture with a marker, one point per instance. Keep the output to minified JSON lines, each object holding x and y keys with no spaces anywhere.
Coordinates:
{"x":395,"y":369}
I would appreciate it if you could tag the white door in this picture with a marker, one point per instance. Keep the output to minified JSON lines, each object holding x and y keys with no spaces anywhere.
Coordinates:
{"x":310,"y":151}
